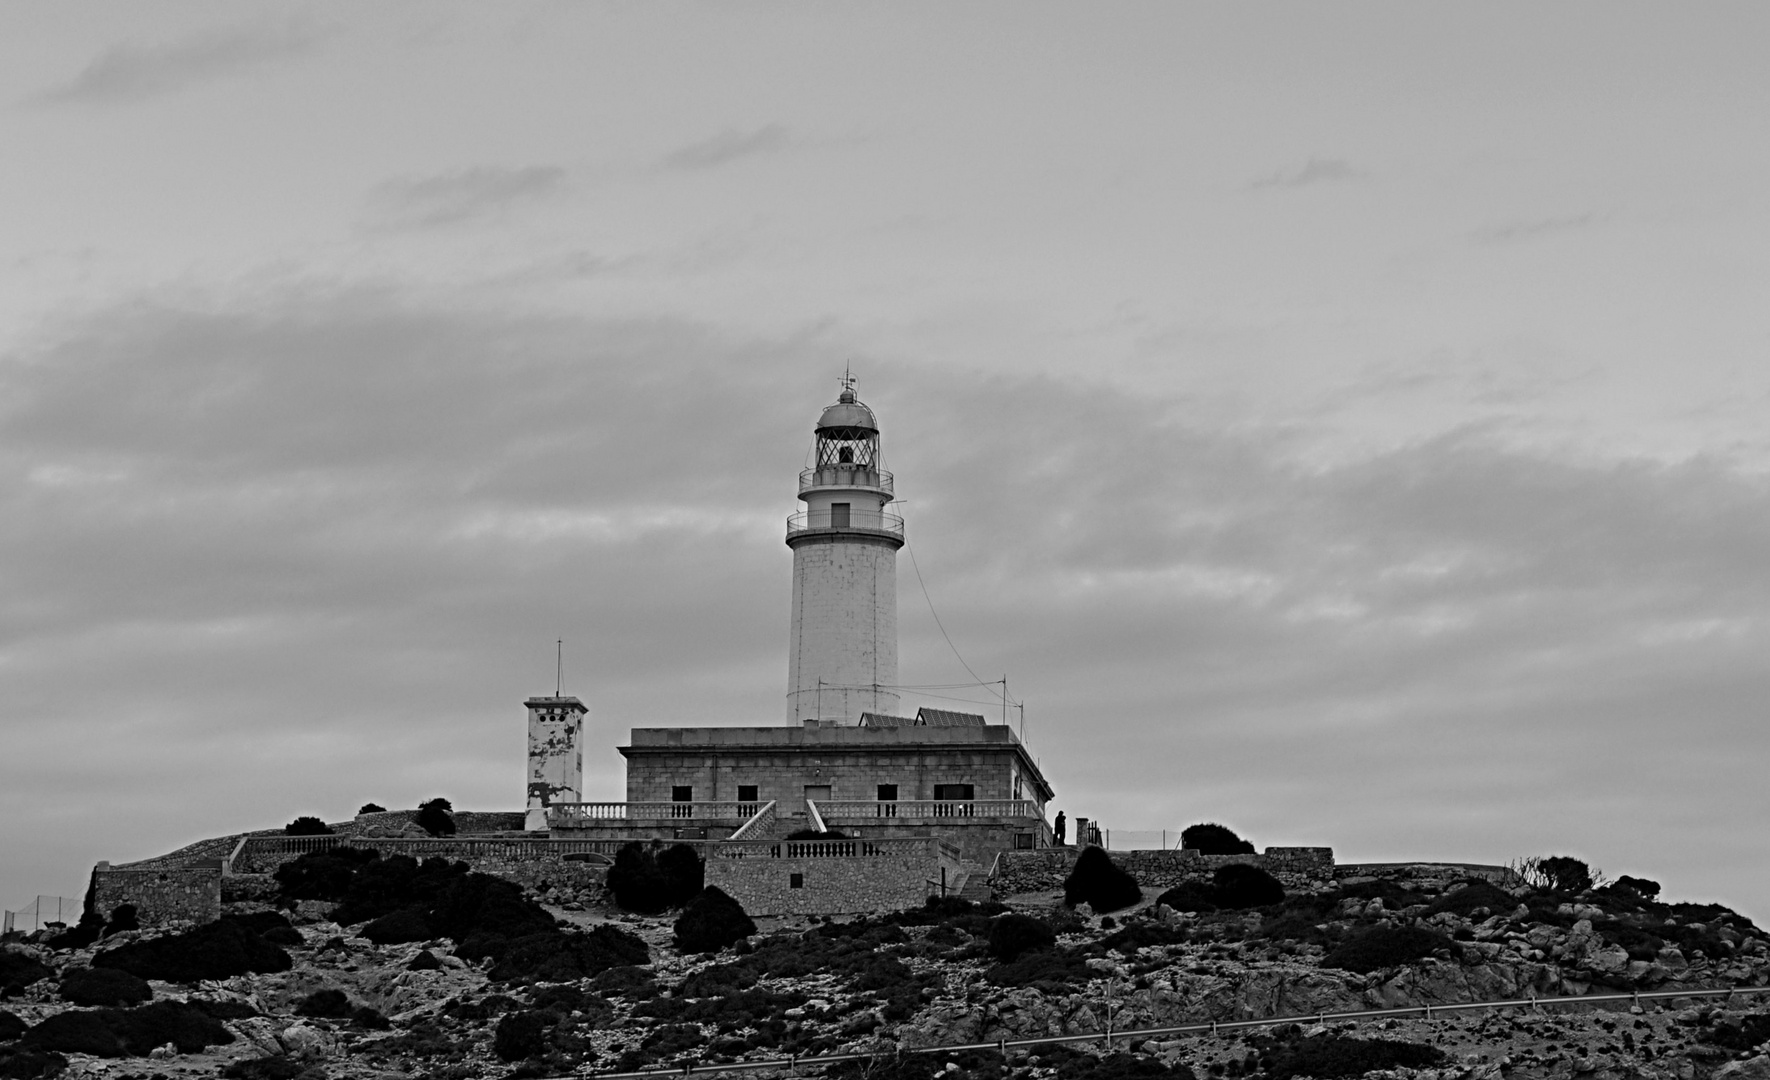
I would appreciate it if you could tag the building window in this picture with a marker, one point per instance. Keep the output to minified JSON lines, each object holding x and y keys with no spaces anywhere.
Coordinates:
{"x":839,"y":515}
{"x":1023,"y":841}
{"x":887,"y":800}
{"x":747,"y":793}
{"x":684,"y":794}
{"x":954,"y":800}
{"x":795,"y":881}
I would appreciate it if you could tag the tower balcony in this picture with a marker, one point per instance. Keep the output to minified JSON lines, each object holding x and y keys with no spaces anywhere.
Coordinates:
{"x":841,"y":520}
{"x":851,"y":476}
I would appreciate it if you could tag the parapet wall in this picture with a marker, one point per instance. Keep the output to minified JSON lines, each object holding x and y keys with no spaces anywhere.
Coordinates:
{"x":1300,"y":869}
{"x":160,"y":895}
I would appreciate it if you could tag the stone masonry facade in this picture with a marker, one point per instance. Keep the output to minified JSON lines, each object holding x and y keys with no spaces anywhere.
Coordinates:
{"x":788,"y":885}
{"x":160,"y":895}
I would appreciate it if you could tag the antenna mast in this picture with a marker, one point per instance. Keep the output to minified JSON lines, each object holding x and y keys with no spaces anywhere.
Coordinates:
{"x":559,"y":668}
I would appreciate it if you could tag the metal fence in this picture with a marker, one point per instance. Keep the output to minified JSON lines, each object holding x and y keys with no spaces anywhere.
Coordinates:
{"x":40,"y":912}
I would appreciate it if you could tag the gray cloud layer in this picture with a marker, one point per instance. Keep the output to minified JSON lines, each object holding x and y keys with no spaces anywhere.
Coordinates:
{"x":132,"y":72}
{"x":286,"y":558}
{"x":729,"y":146}
{"x":447,"y":198}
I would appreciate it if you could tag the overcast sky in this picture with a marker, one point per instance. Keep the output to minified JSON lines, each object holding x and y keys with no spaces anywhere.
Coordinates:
{"x":1347,"y":422}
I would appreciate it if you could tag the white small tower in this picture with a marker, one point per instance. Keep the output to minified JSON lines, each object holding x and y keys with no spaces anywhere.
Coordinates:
{"x":843,"y":658}
{"x":556,"y":755}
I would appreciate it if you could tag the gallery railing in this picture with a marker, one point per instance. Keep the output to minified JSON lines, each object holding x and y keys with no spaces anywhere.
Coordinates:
{"x":861,"y":810}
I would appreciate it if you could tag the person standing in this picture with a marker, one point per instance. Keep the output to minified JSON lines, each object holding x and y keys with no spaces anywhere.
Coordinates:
{"x":1060,"y":828}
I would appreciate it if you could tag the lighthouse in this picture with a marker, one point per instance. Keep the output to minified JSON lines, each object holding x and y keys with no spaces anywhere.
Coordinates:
{"x":843,"y":656}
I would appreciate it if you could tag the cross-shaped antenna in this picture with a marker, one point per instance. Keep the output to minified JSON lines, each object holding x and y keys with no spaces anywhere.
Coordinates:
{"x":848,"y":379}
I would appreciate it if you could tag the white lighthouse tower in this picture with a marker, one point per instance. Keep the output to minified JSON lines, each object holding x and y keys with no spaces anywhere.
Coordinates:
{"x":843,"y":659}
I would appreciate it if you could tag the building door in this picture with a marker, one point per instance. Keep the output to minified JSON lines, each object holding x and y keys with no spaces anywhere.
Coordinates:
{"x":839,"y":515}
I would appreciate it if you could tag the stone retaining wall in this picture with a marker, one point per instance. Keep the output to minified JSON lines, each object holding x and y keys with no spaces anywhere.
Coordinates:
{"x":1300,"y":869}
{"x":160,"y":895}
{"x":836,"y":886}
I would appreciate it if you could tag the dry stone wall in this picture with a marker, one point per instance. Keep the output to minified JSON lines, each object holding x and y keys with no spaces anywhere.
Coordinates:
{"x":160,"y":895}
{"x":1300,"y":869}
{"x":835,"y":886}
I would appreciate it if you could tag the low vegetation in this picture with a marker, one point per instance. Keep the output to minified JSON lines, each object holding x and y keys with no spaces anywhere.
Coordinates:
{"x":1099,"y":882}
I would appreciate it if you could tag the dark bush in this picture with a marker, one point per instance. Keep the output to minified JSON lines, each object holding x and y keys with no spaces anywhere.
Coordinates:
{"x":711,"y":921}
{"x":103,"y":986}
{"x":1564,"y":873}
{"x":11,"y":1027}
{"x":436,"y":818}
{"x":1645,"y":888}
{"x":324,"y":1004}
{"x":521,"y":1035}
{"x":1239,"y":886}
{"x":21,"y":969}
{"x":1383,"y":947}
{"x":425,"y":961}
{"x":1098,"y":882}
{"x":557,"y":956}
{"x":371,"y":808}
{"x":650,"y":880}
{"x":1329,"y":1056}
{"x":274,"y":1067}
{"x":322,"y":875}
{"x":1136,"y":935}
{"x":128,"y":1032}
{"x":30,"y":1065}
{"x":1477,"y":894}
{"x":1190,"y":896}
{"x":1210,"y":838}
{"x":1012,"y":934}
{"x":224,"y":1010}
{"x":1072,"y":1065}
{"x":365,"y":1017}
{"x":217,"y":950}
{"x":307,"y":825}
{"x":1050,"y":971}
{"x":399,"y":927}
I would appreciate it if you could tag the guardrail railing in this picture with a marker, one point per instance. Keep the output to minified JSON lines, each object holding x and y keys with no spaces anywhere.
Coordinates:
{"x":565,"y":815}
{"x":834,"y":810}
{"x":759,"y":827}
{"x":855,"y":521}
{"x":1213,"y":1027}
{"x":821,"y":849}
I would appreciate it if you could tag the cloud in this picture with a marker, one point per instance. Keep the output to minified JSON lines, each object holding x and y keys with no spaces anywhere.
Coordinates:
{"x":314,"y":549}
{"x":1535,"y":228}
{"x":729,"y":146}
{"x":1314,"y":171}
{"x":447,"y":198}
{"x":132,"y":72}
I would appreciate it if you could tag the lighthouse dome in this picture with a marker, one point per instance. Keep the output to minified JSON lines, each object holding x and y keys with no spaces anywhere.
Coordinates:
{"x":845,"y":416}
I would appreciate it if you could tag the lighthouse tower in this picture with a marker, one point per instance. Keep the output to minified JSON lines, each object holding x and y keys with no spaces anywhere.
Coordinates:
{"x":843,"y":659}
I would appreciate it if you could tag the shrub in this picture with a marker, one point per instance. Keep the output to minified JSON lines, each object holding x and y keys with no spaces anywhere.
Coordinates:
{"x":1645,"y":888}
{"x":1747,"y":1033}
{"x":128,"y":1032}
{"x":217,"y":950}
{"x":1210,"y":838}
{"x":399,"y":927}
{"x":123,"y":918}
{"x":1046,"y":970}
{"x":1072,"y":1065}
{"x":11,"y":1027}
{"x":1329,"y":1056}
{"x":1013,"y":934}
{"x":1190,"y":896}
{"x":325,"y":1004}
{"x":31,"y":1064}
{"x":307,"y":825}
{"x":425,"y":961}
{"x":435,"y":817}
{"x":1554,"y":873}
{"x":103,"y":986}
{"x":1478,"y":894}
{"x":557,"y":956}
{"x":649,"y":880}
{"x":711,"y":921}
{"x":21,"y":969}
{"x":224,"y":1010}
{"x":1240,"y":886}
{"x":1098,"y":882}
{"x":521,"y":1035}
{"x":274,"y":1067}
{"x":371,"y":808}
{"x":1383,"y":947}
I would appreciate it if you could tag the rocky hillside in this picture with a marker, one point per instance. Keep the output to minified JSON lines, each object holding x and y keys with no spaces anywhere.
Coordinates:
{"x":367,"y":967}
